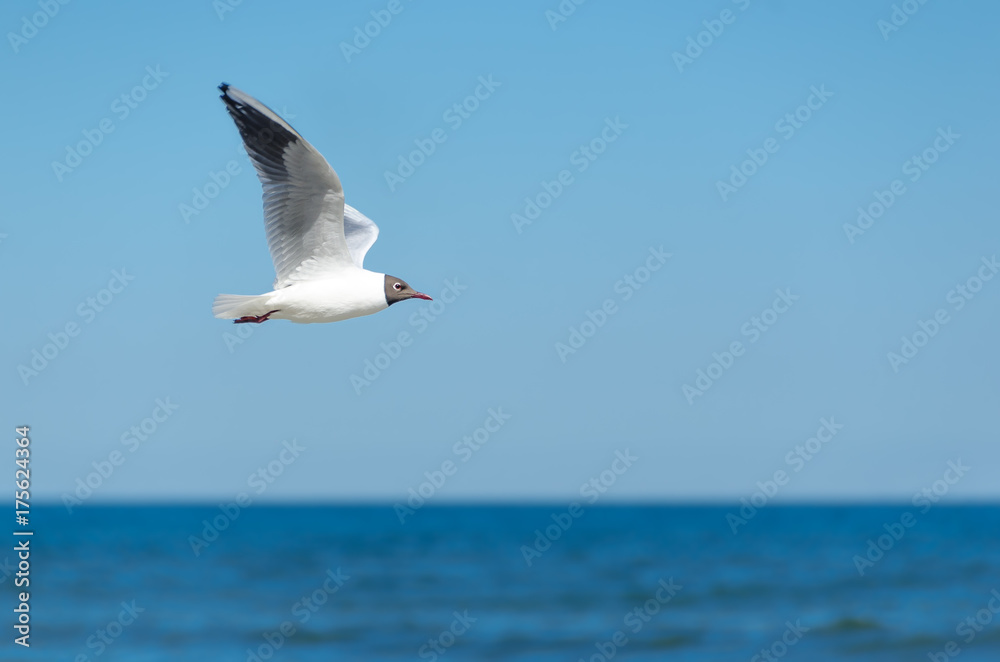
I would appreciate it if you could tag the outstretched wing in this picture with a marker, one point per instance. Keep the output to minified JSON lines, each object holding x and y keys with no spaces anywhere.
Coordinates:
{"x":303,"y":199}
{"x":361,"y":233}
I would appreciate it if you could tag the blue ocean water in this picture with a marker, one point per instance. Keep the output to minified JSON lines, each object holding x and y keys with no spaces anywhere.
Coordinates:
{"x":454,"y":583}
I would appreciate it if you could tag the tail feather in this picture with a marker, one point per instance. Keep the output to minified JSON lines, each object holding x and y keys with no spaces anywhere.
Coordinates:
{"x":234,"y":306}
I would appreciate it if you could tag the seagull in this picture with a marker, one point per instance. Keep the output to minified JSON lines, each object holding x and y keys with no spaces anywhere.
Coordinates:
{"x":317,"y":242}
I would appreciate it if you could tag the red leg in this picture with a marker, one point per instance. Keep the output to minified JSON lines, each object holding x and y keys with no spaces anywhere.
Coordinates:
{"x":255,"y":319}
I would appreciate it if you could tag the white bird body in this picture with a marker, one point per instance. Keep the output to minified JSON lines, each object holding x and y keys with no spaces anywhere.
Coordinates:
{"x":351,"y":293}
{"x":317,"y":242}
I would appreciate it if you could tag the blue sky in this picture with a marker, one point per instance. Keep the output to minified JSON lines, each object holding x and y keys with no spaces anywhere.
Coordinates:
{"x":622,"y":145}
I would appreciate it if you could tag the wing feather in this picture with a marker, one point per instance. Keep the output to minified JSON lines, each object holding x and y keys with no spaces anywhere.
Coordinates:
{"x":303,"y":199}
{"x":361,"y":233}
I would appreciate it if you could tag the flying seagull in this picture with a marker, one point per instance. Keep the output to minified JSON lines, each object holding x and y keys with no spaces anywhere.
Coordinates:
{"x":317,"y":242}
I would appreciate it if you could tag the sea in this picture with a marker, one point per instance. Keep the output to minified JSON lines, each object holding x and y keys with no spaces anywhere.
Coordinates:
{"x":570,"y":582}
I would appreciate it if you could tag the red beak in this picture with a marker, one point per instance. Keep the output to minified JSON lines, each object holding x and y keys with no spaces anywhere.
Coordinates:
{"x":421,"y":295}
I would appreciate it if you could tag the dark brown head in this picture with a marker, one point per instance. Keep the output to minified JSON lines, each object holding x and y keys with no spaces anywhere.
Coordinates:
{"x":397,"y":290}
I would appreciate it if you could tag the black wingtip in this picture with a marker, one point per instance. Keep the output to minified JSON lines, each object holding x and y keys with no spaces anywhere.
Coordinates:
{"x":224,"y":87}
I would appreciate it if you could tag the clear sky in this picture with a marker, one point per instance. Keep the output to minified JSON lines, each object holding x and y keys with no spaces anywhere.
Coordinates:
{"x":597,"y":172}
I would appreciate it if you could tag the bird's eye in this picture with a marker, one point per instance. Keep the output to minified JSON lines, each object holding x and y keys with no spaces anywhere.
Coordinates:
{"x":397,"y":286}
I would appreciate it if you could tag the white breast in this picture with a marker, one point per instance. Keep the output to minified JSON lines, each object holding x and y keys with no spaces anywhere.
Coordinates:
{"x":350,"y":293}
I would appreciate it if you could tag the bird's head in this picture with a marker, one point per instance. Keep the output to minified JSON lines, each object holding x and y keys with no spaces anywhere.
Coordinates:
{"x":396,"y":290}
